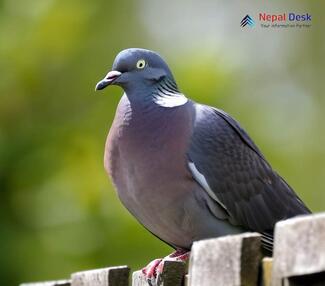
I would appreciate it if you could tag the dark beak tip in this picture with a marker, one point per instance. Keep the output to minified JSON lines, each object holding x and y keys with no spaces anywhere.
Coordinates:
{"x":108,"y":80}
{"x":101,"y":85}
{"x":97,"y":87}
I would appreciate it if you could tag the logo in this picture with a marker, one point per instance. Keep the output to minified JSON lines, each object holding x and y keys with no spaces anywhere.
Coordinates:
{"x":247,"y":20}
{"x":264,"y":17}
{"x":280,"y":20}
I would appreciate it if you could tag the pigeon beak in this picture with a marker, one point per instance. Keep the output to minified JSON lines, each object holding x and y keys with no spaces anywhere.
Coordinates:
{"x":108,"y":80}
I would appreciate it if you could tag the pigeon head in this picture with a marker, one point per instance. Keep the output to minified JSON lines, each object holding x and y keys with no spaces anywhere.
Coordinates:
{"x":136,"y":69}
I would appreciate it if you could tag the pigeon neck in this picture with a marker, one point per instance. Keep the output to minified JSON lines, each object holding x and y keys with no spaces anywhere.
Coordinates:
{"x":166,"y":94}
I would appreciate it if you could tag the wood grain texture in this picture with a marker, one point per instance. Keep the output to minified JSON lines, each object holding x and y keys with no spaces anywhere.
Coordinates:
{"x":49,"y":283}
{"x":299,"y":248}
{"x":111,"y":276}
{"x":172,"y":275}
{"x":231,"y":260}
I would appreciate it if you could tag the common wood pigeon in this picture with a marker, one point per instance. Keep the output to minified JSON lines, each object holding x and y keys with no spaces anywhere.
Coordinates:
{"x":185,"y":170}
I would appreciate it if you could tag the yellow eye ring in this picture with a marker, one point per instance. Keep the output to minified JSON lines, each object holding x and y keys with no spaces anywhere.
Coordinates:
{"x":141,"y":64}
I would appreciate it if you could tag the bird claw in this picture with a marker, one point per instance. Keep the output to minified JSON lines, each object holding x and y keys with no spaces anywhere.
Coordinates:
{"x":150,"y":270}
{"x":155,"y":268}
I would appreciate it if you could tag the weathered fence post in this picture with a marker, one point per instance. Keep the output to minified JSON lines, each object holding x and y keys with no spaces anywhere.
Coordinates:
{"x":298,"y":259}
{"x":299,"y":251}
{"x":172,"y":275}
{"x":111,"y":276}
{"x":231,"y":260}
{"x":49,"y":283}
{"x":266,"y":271}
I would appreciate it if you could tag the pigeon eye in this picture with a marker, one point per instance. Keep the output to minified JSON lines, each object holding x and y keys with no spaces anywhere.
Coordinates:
{"x":141,"y":64}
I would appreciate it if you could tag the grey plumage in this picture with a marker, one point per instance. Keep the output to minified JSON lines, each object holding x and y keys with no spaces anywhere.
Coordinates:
{"x":187,"y":171}
{"x":253,"y":194}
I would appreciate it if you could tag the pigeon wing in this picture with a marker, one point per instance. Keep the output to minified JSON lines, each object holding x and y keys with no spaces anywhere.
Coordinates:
{"x":229,"y":166}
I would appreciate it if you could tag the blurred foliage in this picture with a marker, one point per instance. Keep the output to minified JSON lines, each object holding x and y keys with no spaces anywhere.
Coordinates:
{"x":59,"y":212}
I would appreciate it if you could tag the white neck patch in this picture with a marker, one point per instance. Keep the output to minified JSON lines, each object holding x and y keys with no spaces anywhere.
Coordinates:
{"x":170,"y":99}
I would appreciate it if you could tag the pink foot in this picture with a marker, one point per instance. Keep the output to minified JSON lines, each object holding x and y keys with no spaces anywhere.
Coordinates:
{"x":150,"y":270}
{"x":154,"y":269}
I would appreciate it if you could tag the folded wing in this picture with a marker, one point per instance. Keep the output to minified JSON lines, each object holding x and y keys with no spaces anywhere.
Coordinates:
{"x":229,"y":166}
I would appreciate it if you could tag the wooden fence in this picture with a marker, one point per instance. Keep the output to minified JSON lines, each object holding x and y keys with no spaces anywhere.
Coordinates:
{"x":299,"y":259}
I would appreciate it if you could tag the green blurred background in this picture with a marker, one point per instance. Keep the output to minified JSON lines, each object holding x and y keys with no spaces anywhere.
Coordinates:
{"x":59,"y":212}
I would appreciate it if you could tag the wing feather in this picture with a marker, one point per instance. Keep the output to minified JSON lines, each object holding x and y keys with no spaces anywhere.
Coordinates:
{"x":235,"y":170}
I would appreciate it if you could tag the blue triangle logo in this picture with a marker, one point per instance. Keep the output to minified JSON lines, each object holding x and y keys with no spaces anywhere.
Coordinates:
{"x":247,"y":20}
